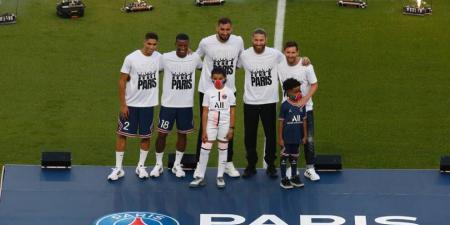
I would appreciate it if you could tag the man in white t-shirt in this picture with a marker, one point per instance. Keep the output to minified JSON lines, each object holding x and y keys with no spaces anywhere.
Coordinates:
{"x":292,"y":67}
{"x":260,"y":98}
{"x":219,"y":50}
{"x":138,"y":94}
{"x":177,"y":101}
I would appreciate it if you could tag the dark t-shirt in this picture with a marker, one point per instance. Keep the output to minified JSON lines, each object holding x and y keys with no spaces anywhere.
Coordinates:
{"x":293,"y":117}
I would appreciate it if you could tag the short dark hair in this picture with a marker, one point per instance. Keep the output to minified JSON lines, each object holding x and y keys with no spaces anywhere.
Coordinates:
{"x":182,"y":37}
{"x":151,"y":35}
{"x":290,"y":84}
{"x":260,"y":31}
{"x":224,"y":20}
{"x":289,"y":44}
{"x":219,"y":70}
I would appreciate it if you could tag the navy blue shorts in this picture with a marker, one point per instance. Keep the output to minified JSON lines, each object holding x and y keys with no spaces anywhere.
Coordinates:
{"x":138,"y":124}
{"x":290,"y":150}
{"x":183,"y":116}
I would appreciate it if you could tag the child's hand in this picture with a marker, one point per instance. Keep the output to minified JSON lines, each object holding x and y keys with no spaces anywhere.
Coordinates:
{"x":230,"y":134}
{"x":304,"y":140}
{"x":204,"y":137}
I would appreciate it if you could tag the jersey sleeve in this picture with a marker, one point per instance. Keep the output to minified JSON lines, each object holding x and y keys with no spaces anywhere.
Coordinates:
{"x":241,"y":43}
{"x":311,"y":75}
{"x":126,"y":67}
{"x":240,"y":63}
{"x":280,"y":56}
{"x":161,"y":63}
{"x":206,"y":99}
{"x":281,"y":73}
{"x":232,"y":98}
{"x":198,"y":60}
{"x":201,"y":48}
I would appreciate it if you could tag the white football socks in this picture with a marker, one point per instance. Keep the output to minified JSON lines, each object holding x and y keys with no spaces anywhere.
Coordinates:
{"x":142,"y":157}
{"x":119,"y":159}
{"x":203,"y":162}
{"x":178,"y":157}
{"x":159,"y":158}
{"x":222,"y":162}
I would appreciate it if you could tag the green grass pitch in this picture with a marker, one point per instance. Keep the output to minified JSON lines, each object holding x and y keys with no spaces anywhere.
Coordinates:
{"x":383,"y":77}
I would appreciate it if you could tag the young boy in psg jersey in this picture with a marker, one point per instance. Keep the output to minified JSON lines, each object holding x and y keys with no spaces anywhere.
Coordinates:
{"x":291,"y":132}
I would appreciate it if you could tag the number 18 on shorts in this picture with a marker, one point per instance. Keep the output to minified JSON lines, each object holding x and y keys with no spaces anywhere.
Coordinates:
{"x":183,"y":117}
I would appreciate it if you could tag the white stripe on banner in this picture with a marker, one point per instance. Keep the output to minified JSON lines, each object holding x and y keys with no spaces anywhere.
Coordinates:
{"x":1,"y":180}
{"x":279,"y":24}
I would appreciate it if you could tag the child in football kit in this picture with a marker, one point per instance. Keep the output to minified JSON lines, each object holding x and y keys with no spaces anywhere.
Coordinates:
{"x":291,"y":132}
{"x":218,"y":124}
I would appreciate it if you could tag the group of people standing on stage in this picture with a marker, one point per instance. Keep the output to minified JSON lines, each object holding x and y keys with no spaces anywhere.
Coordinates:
{"x":222,"y":54}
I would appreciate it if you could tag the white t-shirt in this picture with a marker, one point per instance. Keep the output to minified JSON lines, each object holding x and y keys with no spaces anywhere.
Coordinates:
{"x":219,"y":103}
{"x":218,"y":54}
{"x":179,"y":79}
{"x":142,"y":88}
{"x":261,"y":76}
{"x":304,"y":74}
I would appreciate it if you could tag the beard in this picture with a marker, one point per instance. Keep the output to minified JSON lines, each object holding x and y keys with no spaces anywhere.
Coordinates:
{"x":224,"y":38}
{"x":259,"y":49}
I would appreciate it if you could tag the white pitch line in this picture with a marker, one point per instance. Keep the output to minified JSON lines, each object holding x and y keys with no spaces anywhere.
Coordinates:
{"x":279,"y":24}
{"x":278,"y":43}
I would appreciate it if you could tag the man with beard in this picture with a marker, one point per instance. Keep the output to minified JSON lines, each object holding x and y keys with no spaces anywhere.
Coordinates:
{"x":219,"y":50}
{"x":292,"y":68}
{"x":260,"y":98}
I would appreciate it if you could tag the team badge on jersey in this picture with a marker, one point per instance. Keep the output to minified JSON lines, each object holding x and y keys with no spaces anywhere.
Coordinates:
{"x":136,"y":218}
{"x":224,"y":97}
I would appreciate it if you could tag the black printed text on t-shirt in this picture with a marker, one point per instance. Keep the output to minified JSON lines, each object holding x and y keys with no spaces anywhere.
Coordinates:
{"x":226,"y":64}
{"x":147,"y":80}
{"x":181,"y":81}
{"x":261,"y":77}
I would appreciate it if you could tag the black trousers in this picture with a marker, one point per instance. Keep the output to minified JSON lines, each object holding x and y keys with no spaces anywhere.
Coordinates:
{"x":199,"y":138}
{"x":310,"y":154}
{"x":252,"y":114}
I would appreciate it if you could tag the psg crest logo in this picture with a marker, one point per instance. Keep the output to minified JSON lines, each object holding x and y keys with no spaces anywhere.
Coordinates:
{"x":224,"y":96}
{"x":136,"y":218}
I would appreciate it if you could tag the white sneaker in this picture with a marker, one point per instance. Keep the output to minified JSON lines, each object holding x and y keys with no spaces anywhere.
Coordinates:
{"x":231,"y":171}
{"x":178,"y":171}
{"x":197,"y":182}
{"x":156,"y":171}
{"x":311,"y":174}
{"x":141,"y":172}
{"x":220,"y":182}
{"x":116,"y":174}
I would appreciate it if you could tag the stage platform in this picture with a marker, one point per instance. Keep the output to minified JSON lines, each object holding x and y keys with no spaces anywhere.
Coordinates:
{"x":80,"y":196}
